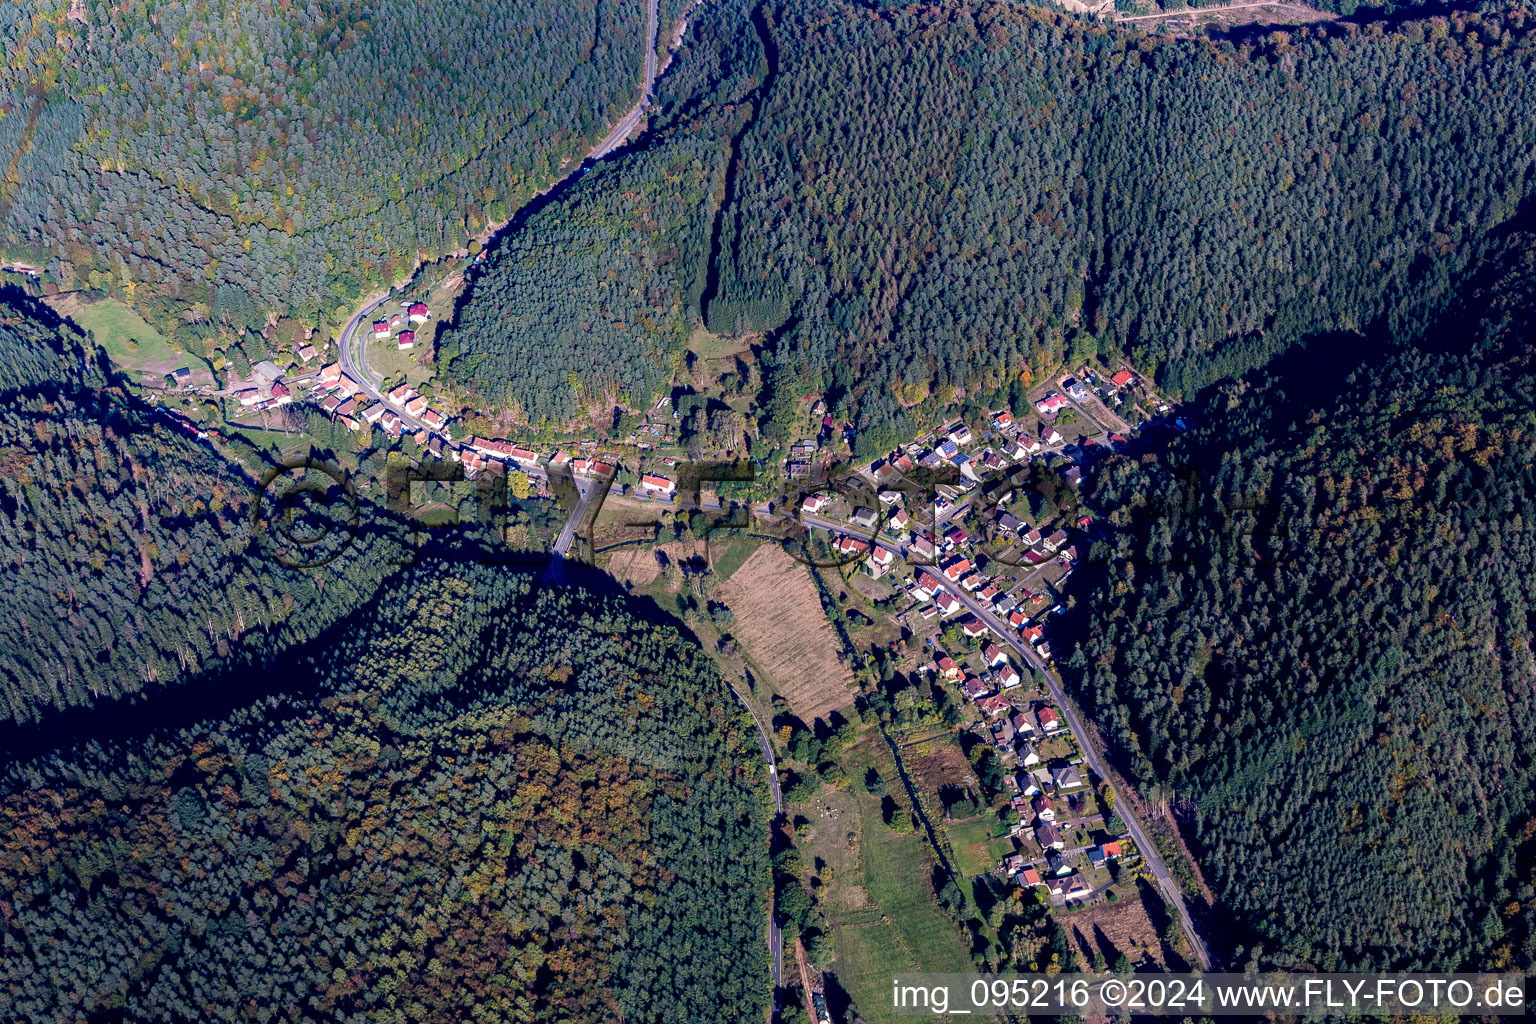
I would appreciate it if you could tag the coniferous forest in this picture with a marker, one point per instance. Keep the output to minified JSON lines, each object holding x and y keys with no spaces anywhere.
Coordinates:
{"x":234,"y":159}
{"x":500,"y":804}
{"x":132,"y":554}
{"x":1313,"y":634}
{"x":915,"y":198}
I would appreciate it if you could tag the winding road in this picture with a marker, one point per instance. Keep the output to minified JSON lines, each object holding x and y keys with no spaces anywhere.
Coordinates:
{"x":354,"y":363}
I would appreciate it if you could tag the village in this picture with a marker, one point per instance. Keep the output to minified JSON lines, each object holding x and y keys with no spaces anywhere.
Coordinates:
{"x":981,"y":560}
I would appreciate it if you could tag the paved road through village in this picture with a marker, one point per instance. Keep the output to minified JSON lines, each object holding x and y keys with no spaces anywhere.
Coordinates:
{"x":1091,"y":755}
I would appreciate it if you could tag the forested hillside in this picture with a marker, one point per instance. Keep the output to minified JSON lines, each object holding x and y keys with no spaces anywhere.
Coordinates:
{"x":232,"y":159}
{"x":504,"y":806}
{"x":920,"y":198}
{"x":129,"y":548}
{"x":1349,"y":725}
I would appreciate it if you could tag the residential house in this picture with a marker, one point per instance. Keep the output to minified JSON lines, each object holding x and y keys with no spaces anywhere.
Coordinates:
{"x":400,"y":395}
{"x":306,"y":353}
{"x":1111,"y":850}
{"x":851,"y":546}
{"x":1008,"y":676}
{"x":956,"y":569}
{"x":974,"y":627}
{"x":1002,"y":733}
{"x":1051,"y":403}
{"x":1010,"y":523}
{"x":433,"y":419}
{"x":865,"y":517}
{"x":1050,"y":721}
{"x":890,"y":497}
{"x":1056,"y":540}
{"x":416,"y":406}
{"x":330,"y":404}
{"x":996,"y":704}
{"x":381,"y":328}
{"x":1123,"y":379}
{"x":1066,"y":778}
{"x":1013,"y":864}
{"x":406,"y":340}
{"x":947,"y":604}
{"x":1044,"y":807}
{"x":899,"y":520}
{"x":248,"y":397}
{"x":658,"y":485}
{"x":879,"y":561}
{"x":1049,"y":434}
{"x":947,"y":667}
{"x":974,"y":688}
{"x":927,"y":586}
{"x":1057,"y":864}
{"x":923,"y":548}
{"x":1048,"y":837}
{"x":1023,"y":723}
{"x":1028,"y":755}
{"x":814,"y":503}
{"x":1076,"y":389}
{"x":1077,"y":889}
{"x":418,"y":312}
{"x":1030,"y":875}
{"x":347,"y":408}
{"x":330,"y":374}
{"x":961,"y":434}
{"x":1030,"y":537}
{"x":1003,"y":420}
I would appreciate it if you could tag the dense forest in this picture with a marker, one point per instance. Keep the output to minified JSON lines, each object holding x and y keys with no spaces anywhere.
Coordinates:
{"x":1314,"y":635}
{"x":227,"y":160}
{"x":504,"y":803}
{"x":913,"y":199}
{"x":132,"y":551}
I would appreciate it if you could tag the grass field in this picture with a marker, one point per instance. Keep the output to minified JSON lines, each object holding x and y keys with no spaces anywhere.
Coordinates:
{"x":708,"y":346}
{"x":974,"y":859}
{"x":130,"y":341}
{"x":780,"y":622}
{"x":911,"y":931}
{"x":732,"y":555}
{"x":386,"y":358}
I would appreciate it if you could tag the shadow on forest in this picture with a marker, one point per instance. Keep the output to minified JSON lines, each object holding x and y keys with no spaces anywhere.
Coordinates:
{"x":283,"y":679}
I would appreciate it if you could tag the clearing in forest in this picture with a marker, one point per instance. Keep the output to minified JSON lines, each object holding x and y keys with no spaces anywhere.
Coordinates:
{"x":780,"y":623}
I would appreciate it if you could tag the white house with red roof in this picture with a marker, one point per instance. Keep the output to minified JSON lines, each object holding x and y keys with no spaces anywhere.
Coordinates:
{"x":406,"y":340}
{"x":879,"y":561}
{"x":658,"y":484}
{"x":418,"y":312}
{"x":381,"y":328}
{"x":1052,"y":403}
